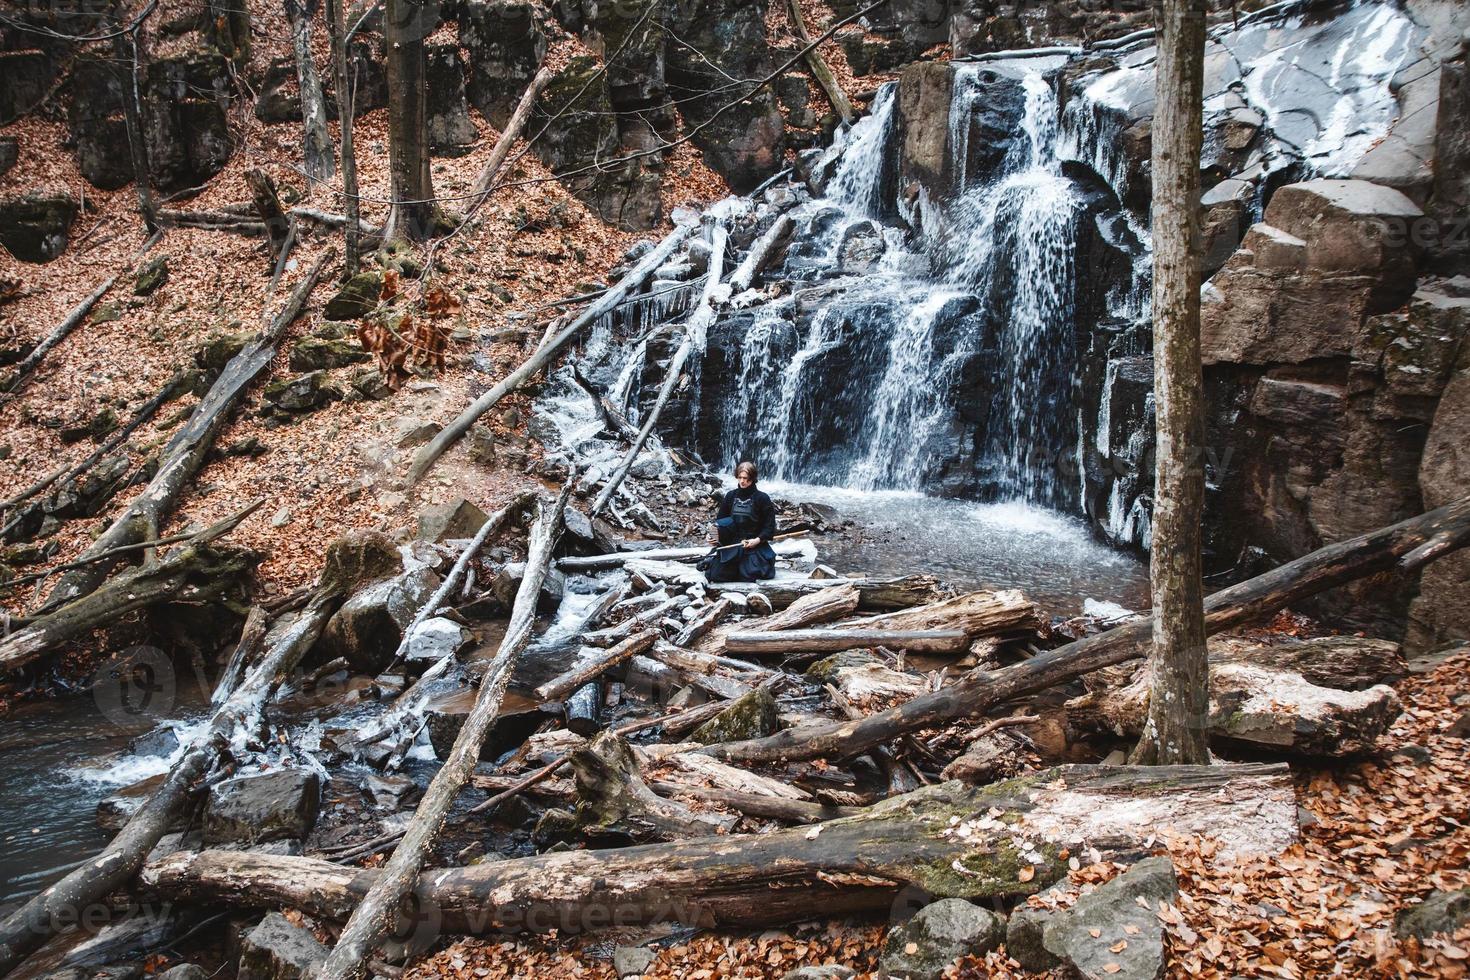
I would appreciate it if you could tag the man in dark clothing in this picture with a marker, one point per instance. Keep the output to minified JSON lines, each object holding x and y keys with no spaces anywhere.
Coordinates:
{"x":745,"y":525}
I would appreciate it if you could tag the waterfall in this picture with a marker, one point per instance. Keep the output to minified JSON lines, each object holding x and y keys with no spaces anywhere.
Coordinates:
{"x":974,"y":321}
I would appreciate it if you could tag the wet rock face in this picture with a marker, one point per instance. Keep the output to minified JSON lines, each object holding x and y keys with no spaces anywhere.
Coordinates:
{"x":278,"y":950}
{"x":35,"y":227}
{"x":254,"y":809}
{"x":726,"y":39}
{"x":185,"y":99}
{"x":369,"y":626}
{"x":450,"y":131}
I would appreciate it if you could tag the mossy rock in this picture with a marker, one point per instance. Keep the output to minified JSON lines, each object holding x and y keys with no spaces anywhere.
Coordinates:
{"x":98,"y":426}
{"x":316,"y":354}
{"x":357,"y":558}
{"x":357,"y":297}
{"x":219,"y":349}
{"x":825,"y":670}
{"x":371,"y":385}
{"x":334,"y":331}
{"x":106,"y":313}
{"x":750,"y":716}
{"x":153,"y":275}
{"x":298,"y":395}
{"x":36,"y":227}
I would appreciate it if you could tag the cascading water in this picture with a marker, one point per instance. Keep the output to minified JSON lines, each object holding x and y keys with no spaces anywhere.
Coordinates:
{"x":964,"y":310}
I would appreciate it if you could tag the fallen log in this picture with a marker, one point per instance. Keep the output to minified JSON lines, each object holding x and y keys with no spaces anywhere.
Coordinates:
{"x":185,"y":452}
{"x":370,"y":922}
{"x":172,"y":389}
{"x":873,"y":594}
{"x":784,"y":546}
{"x":268,"y":206}
{"x":978,"y":613}
{"x":707,"y":620}
{"x":194,"y":572}
{"x":78,"y":313}
{"x":694,"y":339}
{"x":1404,"y":547}
{"x":760,"y":254}
{"x":1256,"y":705}
{"x":820,"y":70}
{"x":821,"y":606}
{"x":558,"y":687}
{"x":429,"y":454}
{"x":71,"y":900}
{"x":1349,"y":663}
{"x":756,"y":804}
{"x":617,"y":634}
{"x":764,"y":644}
{"x":854,"y":864}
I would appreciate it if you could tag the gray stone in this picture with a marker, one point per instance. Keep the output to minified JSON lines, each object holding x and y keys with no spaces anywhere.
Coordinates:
{"x":391,"y":792}
{"x":184,"y":971}
{"x":1110,"y":909}
{"x":753,"y":715}
{"x":161,"y":742}
{"x":1440,"y":912}
{"x":507,"y":582}
{"x":1024,"y":939}
{"x":435,"y":639}
{"x":408,"y":432}
{"x":456,"y":520}
{"x":277,"y":950}
{"x":288,"y":397}
{"x":153,"y":275}
{"x":318,"y":353}
{"x":482,"y":445}
{"x":827,"y":971}
{"x":924,"y":947}
{"x":631,"y":961}
{"x":1440,"y":614}
{"x":262,"y":807}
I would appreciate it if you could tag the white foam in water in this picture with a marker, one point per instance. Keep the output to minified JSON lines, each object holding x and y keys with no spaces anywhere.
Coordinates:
{"x":128,"y":769}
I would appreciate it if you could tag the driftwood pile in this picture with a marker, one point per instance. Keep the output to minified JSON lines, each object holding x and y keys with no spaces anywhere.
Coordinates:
{"x":724,"y":754}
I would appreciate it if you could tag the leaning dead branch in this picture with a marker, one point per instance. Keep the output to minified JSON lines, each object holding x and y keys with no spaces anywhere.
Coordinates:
{"x":371,"y":920}
{"x":451,"y":433}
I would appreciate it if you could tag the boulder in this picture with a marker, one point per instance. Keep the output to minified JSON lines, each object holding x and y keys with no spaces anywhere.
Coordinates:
{"x":286,"y":398}
{"x":724,"y":39}
{"x":186,"y":122}
{"x":96,"y":123}
{"x":505,"y":41}
{"x":827,"y":971}
{"x":753,"y":715}
{"x":407,"y":432}
{"x":36,"y":227}
{"x":320,"y":353}
{"x":218,"y":349}
{"x":1115,"y":931}
{"x":357,"y":558}
{"x":149,"y":278}
{"x":278,"y":950}
{"x":369,"y":626}
{"x":1024,"y":942}
{"x":1440,"y":912}
{"x":939,"y":934}
{"x":1439,"y":614}
{"x":261,"y":807}
{"x":507,"y":582}
{"x":356,"y":299}
{"x":456,"y":520}
{"x":434,"y":640}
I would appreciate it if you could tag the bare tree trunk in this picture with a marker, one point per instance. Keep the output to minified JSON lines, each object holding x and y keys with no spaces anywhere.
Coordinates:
{"x":316,"y":141}
{"x":346,"y":105}
{"x":127,"y":49}
{"x":820,"y":70}
{"x":405,"y":22}
{"x":372,"y":919}
{"x":1176,"y":731}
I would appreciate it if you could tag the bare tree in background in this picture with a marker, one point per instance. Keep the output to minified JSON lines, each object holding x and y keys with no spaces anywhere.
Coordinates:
{"x":127,"y":47}
{"x":346,"y":106}
{"x":1175,"y":731}
{"x":414,"y":216}
{"x":316,"y":141}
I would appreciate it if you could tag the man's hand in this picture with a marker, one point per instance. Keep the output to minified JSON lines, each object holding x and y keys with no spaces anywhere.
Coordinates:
{"x":751,"y":543}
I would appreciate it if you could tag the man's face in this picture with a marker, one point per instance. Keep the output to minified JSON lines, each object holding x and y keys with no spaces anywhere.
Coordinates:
{"x":745,"y":481}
